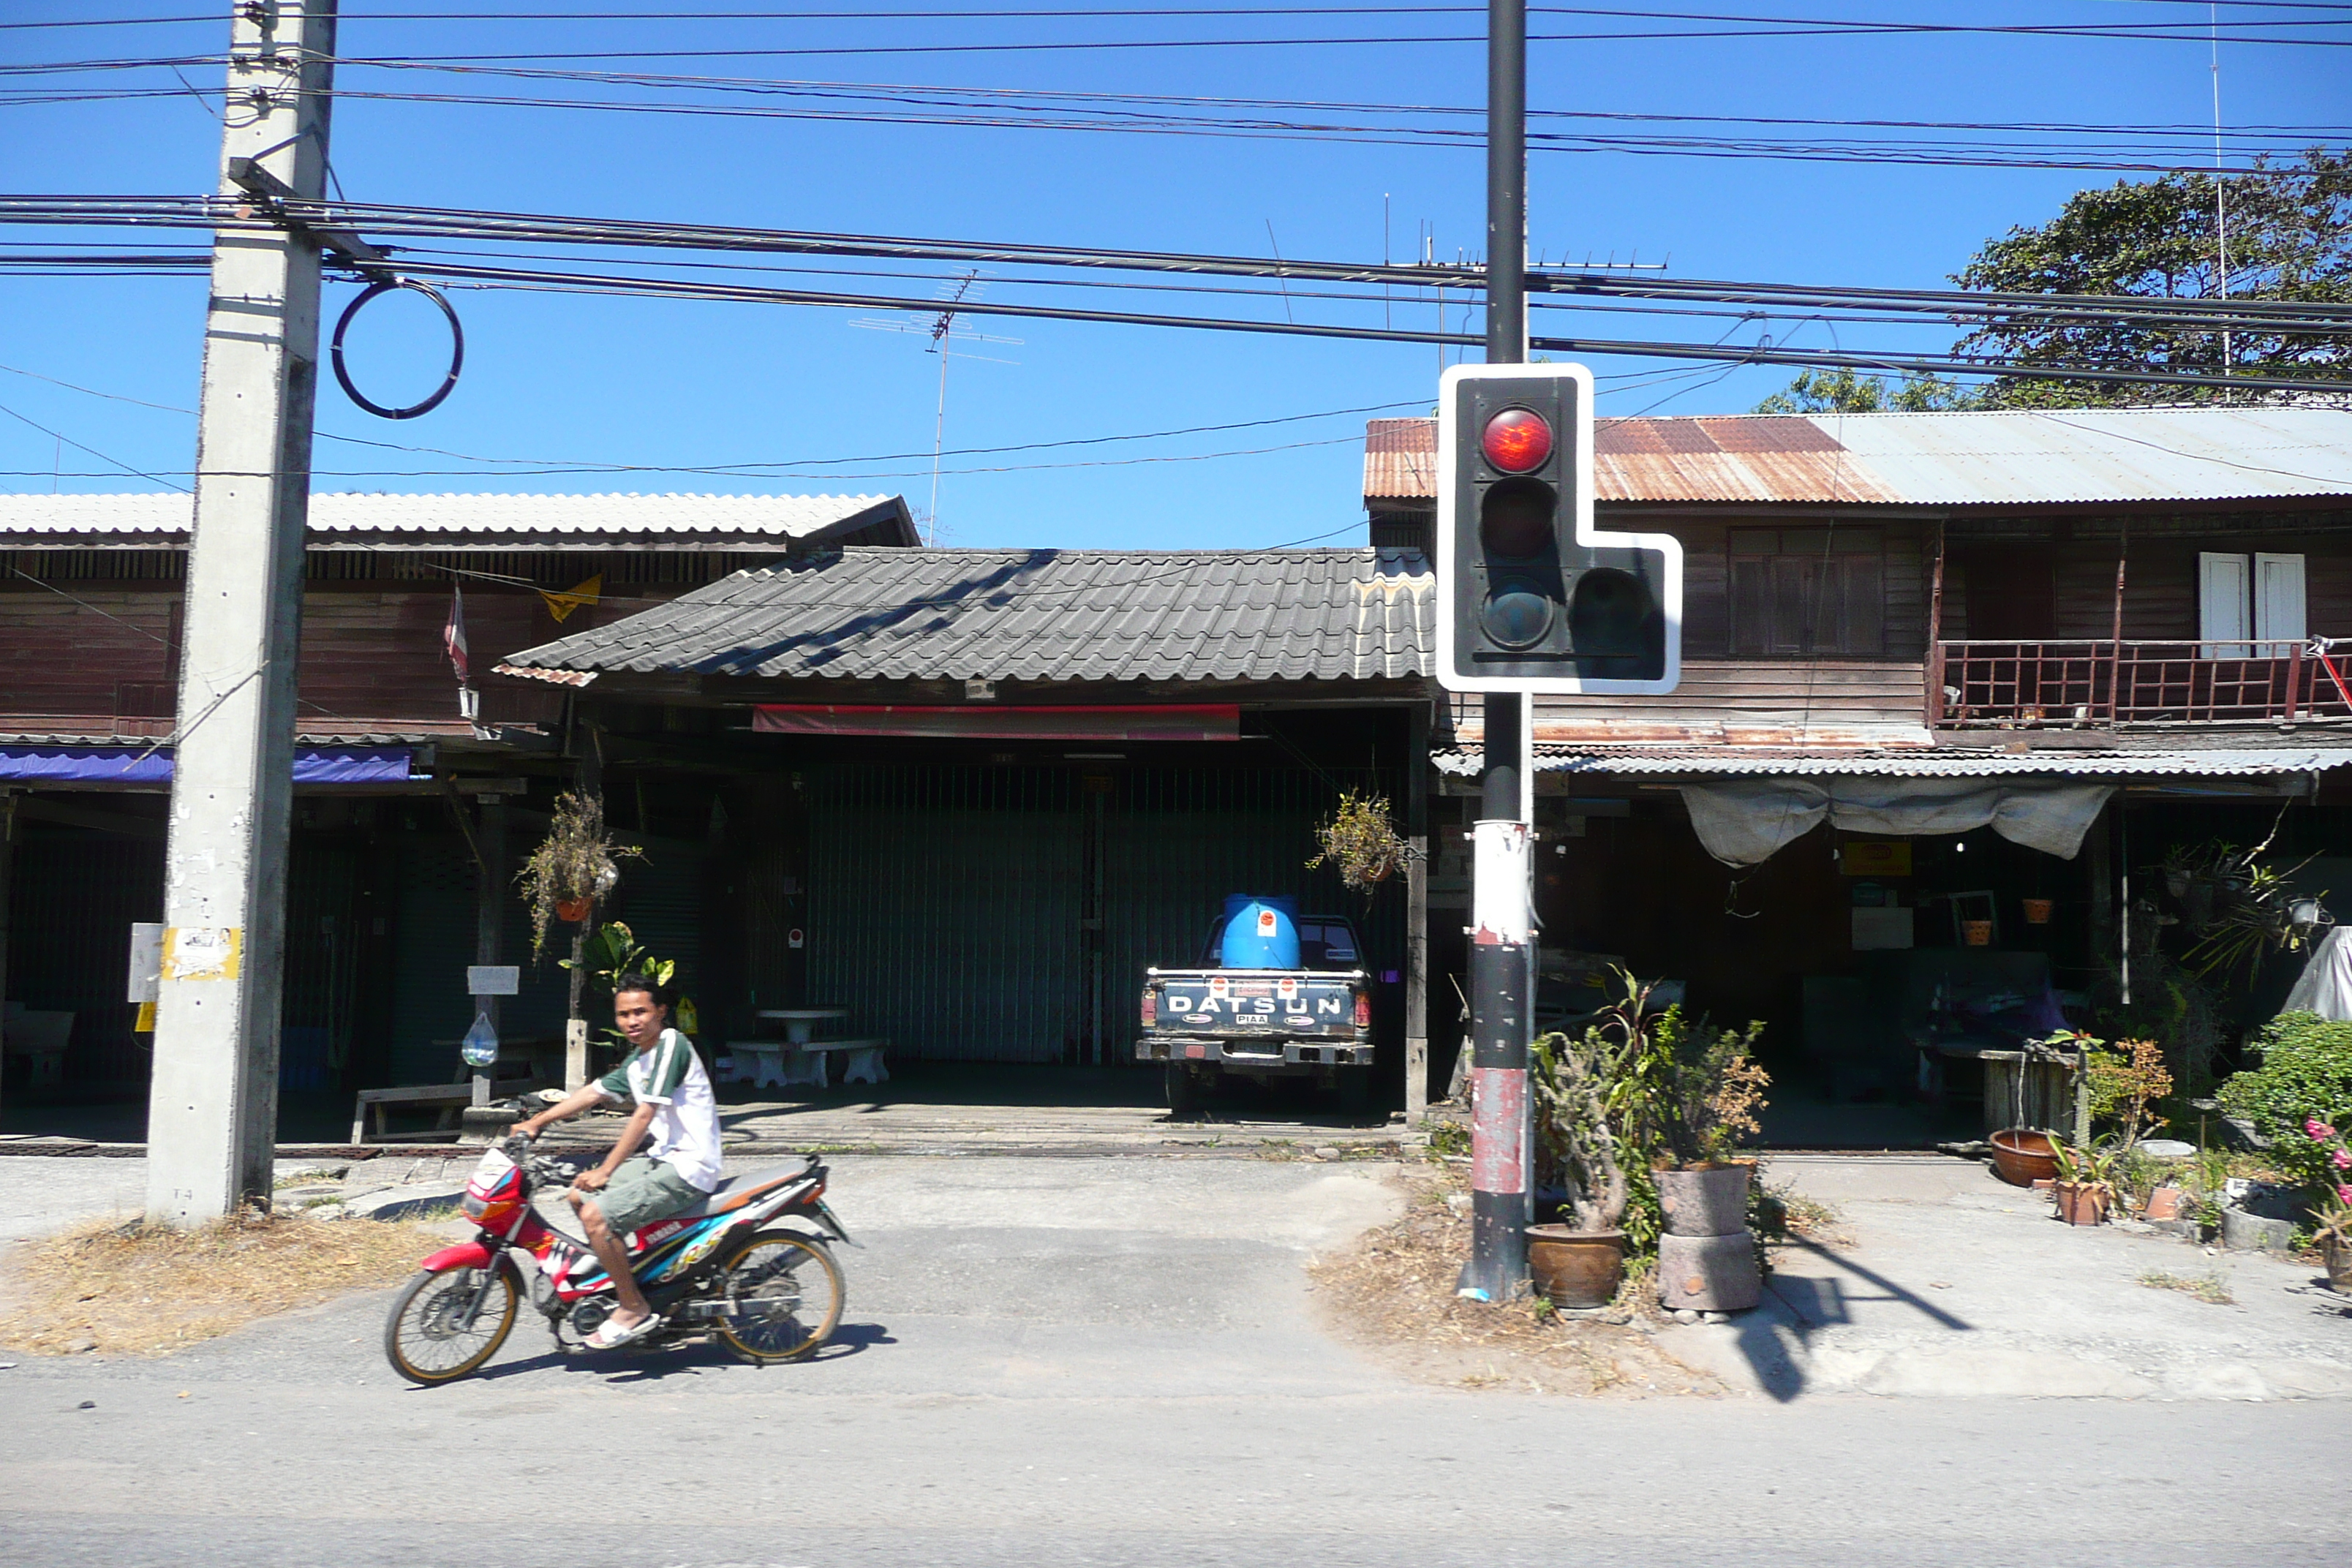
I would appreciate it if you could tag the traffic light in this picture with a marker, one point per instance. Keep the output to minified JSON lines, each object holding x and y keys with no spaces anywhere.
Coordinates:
{"x":1530,"y":597}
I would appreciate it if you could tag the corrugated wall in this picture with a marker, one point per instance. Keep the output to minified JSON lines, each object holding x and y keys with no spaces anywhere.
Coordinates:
{"x":947,"y":904}
{"x":72,"y":900}
{"x":944,"y":908}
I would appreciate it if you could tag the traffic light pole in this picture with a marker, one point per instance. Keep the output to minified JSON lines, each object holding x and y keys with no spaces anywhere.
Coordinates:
{"x":1502,"y":929}
{"x":213,"y":1105}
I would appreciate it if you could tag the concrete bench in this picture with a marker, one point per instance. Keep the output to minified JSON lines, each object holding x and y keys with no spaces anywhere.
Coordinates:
{"x":513,"y":1075}
{"x":784,"y":1063}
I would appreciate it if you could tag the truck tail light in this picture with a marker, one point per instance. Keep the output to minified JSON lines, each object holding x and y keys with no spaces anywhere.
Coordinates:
{"x":1150,"y":1009}
{"x":1363,"y":1009}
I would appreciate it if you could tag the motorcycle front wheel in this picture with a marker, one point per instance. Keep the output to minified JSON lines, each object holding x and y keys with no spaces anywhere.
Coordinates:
{"x":447,"y":1324}
{"x":783,"y":1294}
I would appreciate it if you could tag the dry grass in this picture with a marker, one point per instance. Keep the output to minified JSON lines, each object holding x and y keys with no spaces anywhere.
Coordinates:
{"x":2208,"y":1288}
{"x":146,"y":1290}
{"x":1391,"y":1290}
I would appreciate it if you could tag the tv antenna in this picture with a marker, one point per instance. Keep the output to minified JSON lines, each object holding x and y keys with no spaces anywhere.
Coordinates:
{"x":943,"y":332}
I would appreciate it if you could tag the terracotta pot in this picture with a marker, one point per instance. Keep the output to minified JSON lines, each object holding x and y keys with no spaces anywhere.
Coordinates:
{"x":2338,"y":1253}
{"x":1576,"y":1268}
{"x":1977,"y":933}
{"x":2080,"y":1203}
{"x":2022,"y":1156}
{"x":2165,"y":1203}
{"x":574,"y":910}
{"x":2038,"y":911}
{"x":1705,"y":1200}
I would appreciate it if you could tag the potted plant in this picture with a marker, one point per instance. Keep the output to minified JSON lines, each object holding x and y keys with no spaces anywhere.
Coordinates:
{"x":1687,"y":1095}
{"x":1577,"y":1144}
{"x":2335,"y":1237}
{"x":2085,"y":1187}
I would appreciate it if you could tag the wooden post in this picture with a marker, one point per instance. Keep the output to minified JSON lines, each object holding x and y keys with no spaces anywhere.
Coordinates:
{"x":489,"y":908}
{"x":8,"y":878}
{"x":1935,"y":660}
{"x":1416,"y":916}
{"x":589,"y":786}
{"x":2098,"y":870}
{"x":2116,"y":643}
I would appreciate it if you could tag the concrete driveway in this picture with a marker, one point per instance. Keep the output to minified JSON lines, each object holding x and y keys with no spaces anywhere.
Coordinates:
{"x":1056,"y":1362}
{"x":1952,"y":1283}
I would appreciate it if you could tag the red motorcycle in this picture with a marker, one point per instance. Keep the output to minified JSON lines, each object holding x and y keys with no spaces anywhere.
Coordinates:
{"x":751,"y":1265}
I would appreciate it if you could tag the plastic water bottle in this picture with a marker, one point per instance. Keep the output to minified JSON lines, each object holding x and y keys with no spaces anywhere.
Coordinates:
{"x":480,"y":1047}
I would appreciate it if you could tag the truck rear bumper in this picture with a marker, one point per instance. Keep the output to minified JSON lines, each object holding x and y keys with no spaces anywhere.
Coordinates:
{"x":1248,"y":1052}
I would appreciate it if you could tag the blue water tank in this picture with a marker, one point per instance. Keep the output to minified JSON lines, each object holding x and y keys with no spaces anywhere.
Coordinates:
{"x":1260,"y":932}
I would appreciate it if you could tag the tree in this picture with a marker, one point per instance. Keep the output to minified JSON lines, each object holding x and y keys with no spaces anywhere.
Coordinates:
{"x":2288,"y":233}
{"x":1844,"y":392}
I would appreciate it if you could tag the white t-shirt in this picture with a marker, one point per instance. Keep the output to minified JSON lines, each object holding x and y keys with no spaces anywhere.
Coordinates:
{"x":669,"y":1076}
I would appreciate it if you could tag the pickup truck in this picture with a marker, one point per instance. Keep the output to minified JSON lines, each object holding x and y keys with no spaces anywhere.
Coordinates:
{"x":1264,"y":1024}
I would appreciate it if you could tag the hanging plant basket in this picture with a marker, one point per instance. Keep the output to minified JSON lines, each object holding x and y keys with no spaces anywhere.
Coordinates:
{"x":574,"y":911}
{"x":1361,"y":843}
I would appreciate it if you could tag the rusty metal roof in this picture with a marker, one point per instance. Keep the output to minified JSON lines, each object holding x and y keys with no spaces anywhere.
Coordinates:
{"x":2210,"y":763}
{"x":1932,"y":460}
{"x":1035,"y":615}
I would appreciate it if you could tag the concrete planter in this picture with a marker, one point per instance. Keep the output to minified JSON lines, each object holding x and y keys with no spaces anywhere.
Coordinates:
{"x":1707,"y":1200}
{"x":1708,"y":1273}
{"x":2243,"y":1232}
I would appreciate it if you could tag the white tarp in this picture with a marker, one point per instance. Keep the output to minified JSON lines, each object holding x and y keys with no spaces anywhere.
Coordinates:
{"x":1744,"y":821}
{"x":2326,"y":986}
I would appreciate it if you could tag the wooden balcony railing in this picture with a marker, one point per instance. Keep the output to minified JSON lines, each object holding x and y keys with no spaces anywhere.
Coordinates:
{"x":2103,"y":684}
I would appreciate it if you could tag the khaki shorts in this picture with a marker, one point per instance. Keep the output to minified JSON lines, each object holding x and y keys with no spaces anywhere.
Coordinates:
{"x":642,"y":1191}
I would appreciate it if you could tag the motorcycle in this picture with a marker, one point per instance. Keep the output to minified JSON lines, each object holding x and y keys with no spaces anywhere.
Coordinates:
{"x":751,"y":1265}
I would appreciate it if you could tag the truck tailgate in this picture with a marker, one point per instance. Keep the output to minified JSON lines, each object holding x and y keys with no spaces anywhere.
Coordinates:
{"x":1254,"y":1002}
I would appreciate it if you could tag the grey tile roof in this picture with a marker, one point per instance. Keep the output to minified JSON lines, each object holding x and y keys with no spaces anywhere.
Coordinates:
{"x":574,"y":521}
{"x":1037,"y":614}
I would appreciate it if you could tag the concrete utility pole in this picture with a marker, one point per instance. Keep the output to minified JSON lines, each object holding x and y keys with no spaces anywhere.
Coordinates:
{"x":213,"y":1107}
{"x":1501,"y":971}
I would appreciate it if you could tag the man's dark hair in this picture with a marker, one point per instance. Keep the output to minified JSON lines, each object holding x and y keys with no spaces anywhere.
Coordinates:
{"x":662,"y":995}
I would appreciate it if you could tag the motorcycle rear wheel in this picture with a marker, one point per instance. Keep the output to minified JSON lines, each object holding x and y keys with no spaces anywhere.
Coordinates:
{"x":793,"y":1292}
{"x":424,"y":1338}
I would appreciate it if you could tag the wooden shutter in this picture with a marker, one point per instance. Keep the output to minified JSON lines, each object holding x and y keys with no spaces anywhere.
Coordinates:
{"x":2279,"y":602}
{"x":2224,"y":603}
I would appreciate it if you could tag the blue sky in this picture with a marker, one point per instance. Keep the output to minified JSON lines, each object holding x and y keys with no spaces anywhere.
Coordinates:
{"x":668,"y":384}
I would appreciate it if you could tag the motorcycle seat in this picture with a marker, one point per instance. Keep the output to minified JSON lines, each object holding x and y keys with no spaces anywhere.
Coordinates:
{"x":738,"y":1190}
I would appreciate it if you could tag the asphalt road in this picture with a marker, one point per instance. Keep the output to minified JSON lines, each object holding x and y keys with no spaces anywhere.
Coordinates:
{"x":1051,"y":1362}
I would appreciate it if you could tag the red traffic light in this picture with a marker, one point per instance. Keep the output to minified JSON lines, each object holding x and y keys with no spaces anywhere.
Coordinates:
{"x":1517,"y":441}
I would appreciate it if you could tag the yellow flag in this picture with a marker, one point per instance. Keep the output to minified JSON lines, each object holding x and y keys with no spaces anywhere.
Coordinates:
{"x":579,"y":594}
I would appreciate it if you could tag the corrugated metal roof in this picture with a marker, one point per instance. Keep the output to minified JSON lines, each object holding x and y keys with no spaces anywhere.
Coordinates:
{"x":1037,"y":614}
{"x":2215,"y":763}
{"x":1933,"y":460}
{"x":1399,"y":459}
{"x":584,"y":516}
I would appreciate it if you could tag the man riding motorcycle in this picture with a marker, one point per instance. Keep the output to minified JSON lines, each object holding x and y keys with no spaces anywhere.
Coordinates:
{"x":628,"y":1191}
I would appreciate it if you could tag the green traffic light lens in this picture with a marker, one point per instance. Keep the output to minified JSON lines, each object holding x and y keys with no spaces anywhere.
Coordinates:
{"x":1515,"y":520}
{"x":1515,"y":616}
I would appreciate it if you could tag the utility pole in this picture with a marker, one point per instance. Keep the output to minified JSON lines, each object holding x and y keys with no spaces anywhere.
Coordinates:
{"x":213,"y":1106}
{"x":1501,"y":950}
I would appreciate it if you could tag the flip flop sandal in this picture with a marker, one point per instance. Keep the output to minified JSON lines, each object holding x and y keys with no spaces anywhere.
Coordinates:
{"x":607,"y":1338}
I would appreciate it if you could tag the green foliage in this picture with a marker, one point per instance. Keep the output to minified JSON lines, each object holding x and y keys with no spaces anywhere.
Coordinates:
{"x":2289,"y":237}
{"x":2094,"y":1165}
{"x":2306,"y":1076}
{"x":1844,"y":392}
{"x":1635,"y":1090}
{"x":615,"y":951}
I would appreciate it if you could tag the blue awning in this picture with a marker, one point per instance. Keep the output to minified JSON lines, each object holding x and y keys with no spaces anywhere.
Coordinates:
{"x":139,"y":764}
